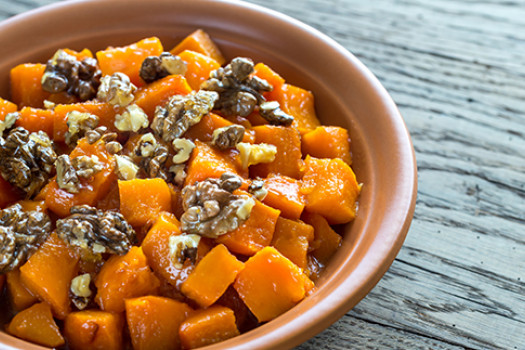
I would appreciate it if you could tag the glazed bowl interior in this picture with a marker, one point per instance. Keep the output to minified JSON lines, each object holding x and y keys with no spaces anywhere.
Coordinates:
{"x":346,"y":94}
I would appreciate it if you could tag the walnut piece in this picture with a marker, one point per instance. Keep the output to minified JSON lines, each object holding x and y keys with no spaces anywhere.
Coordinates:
{"x":132,"y":119}
{"x":26,"y":159}
{"x":78,"y":124}
{"x":157,"y":67}
{"x":8,"y":122}
{"x":151,"y":155}
{"x":116,"y":89}
{"x":251,"y":154}
{"x":21,"y":233}
{"x":126,"y":169}
{"x":184,"y":147}
{"x":257,"y":189}
{"x":271,"y":111}
{"x":100,"y":133}
{"x":182,"y":112}
{"x":96,"y":231}
{"x":183,"y":247}
{"x":65,"y":73}
{"x":81,"y":291}
{"x":211,"y":209}
{"x":227,"y":136}
{"x":69,"y":171}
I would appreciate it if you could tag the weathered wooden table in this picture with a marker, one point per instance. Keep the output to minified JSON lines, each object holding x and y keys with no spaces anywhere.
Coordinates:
{"x":456,"y":69}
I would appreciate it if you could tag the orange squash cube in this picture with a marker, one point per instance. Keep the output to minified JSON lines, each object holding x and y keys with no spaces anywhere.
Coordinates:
{"x":327,"y":142}
{"x":141,"y":200}
{"x":199,"y":67}
{"x":208,"y":326}
{"x":36,"y":325}
{"x":128,"y":59}
{"x":159,"y":92}
{"x":157,"y":250}
{"x":326,"y":240}
{"x":199,"y":41}
{"x":299,"y":103}
{"x":154,"y":322}
{"x":288,"y":158}
{"x":36,"y":119}
{"x":264,"y":72}
{"x":284,"y":194}
{"x":255,"y":233}
{"x":270,"y":284}
{"x":92,"y":189}
{"x":203,"y":130}
{"x":26,"y":86}
{"x":206,"y":162}
{"x":20,"y":297}
{"x":212,"y":276}
{"x":330,"y":189}
{"x":292,"y":238}
{"x":104,"y":111}
{"x":48,"y":273}
{"x":94,"y":330}
{"x":123,"y":277}
{"x":6,"y":107}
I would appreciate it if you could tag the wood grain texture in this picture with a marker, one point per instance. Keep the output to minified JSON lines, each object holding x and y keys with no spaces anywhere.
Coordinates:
{"x":456,"y":69}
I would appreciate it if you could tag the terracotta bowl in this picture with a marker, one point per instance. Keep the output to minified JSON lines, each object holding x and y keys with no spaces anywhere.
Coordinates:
{"x":346,"y":93}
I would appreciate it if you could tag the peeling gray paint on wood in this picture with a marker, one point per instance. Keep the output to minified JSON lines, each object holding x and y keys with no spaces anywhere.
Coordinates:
{"x":456,"y":69}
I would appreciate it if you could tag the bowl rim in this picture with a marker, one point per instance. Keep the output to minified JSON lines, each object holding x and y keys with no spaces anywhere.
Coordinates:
{"x":308,"y":324}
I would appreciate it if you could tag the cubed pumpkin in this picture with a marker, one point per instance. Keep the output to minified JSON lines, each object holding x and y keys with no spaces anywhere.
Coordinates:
{"x":327,"y":142}
{"x":26,"y":86}
{"x":128,"y":59}
{"x":20,"y":297}
{"x":199,"y":41}
{"x":94,"y":330}
{"x":326,"y":240}
{"x":6,"y":107}
{"x":123,"y":277}
{"x":158,"y":93}
{"x":212,"y":276}
{"x":270,"y":284}
{"x":288,"y":157}
{"x":36,"y":119}
{"x":208,"y":326}
{"x":264,"y":72}
{"x":141,"y":200}
{"x":284,"y":194}
{"x":91,"y":189}
{"x":199,"y":67}
{"x":154,"y":322}
{"x":48,"y":274}
{"x":36,"y":324}
{"x":292,"y":238}
{"x":330,"y":189}
{"x":203,"y":130}
{"x":299,"y":103}
{"x":253,"y":234}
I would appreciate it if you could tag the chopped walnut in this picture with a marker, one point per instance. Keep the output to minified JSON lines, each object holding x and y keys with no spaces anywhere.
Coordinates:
{"x":65,"y":73}
{"x":26,"y":159}
{"x":8,"y":122}
{"x":78,"y":124}
{"x":96,"y":231}
{"x":21,"y":233}
{"x":100,"y":133}
{"x":126,"y":169}
{"x":81,"y":291}
{"x":113,"y":147}
{"x":271,"y":111}
{"x":179,"y":171}
{"x":184,"y":147}
{"x":180,"y":113}
{"x":132,"y":119}
{"x":239,"y":92}
{"x":257,"y":189}
{"x":256,"y":153}
{"x":228,"y":136}
{"x":69,"y":171}
{"x":211,"y":209}
{"x":116,"y":89}
{"x":152,"y":155}
{"x":157,"y":67}
{"x":183,"y":247}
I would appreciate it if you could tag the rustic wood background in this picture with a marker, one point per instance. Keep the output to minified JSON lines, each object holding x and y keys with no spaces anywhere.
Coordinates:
{"x":456,"y":69}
